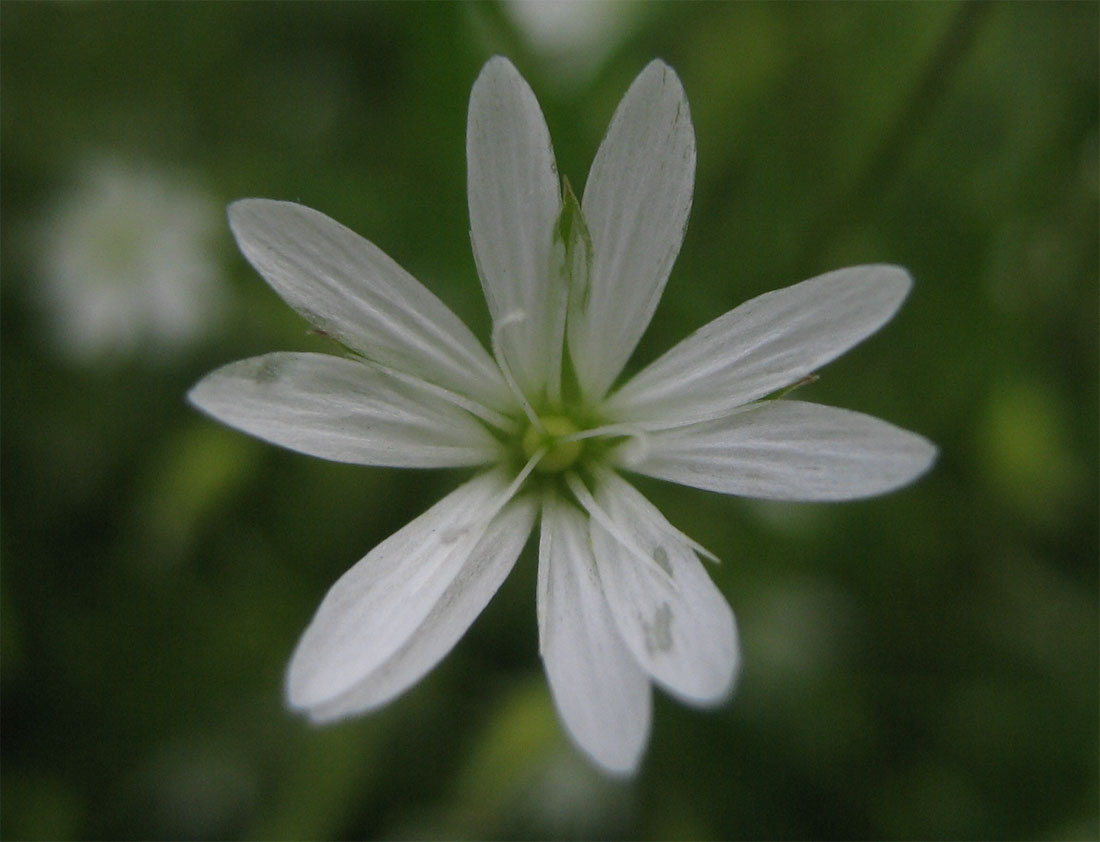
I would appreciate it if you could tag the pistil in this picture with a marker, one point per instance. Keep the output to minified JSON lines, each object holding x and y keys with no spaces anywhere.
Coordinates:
{"x":559,"y":454}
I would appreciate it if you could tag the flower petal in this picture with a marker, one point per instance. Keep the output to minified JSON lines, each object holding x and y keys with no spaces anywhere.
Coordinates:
{"x":482,"y":573}
{"x":377,"y":607}
{"x":765,"y":344}
{"x":673,"y":618}
{"x":343,"y":410}
{"x":348,"y":288}
{"x":785,"y":450}
{"x":515,"y":202}
{"x":636,"y":204}
{"x":601,"y":694}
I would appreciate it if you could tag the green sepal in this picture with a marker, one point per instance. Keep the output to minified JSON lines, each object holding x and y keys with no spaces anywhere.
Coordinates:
{"x":572,"y":237}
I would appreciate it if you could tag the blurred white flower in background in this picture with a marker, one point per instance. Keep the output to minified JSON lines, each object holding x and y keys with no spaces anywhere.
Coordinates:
{"x":573,"y":35}
{"x":128,"y":263}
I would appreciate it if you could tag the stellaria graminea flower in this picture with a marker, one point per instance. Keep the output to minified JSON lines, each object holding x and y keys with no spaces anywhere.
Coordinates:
{"x":126,"y":262}
{"x":622,"y":598}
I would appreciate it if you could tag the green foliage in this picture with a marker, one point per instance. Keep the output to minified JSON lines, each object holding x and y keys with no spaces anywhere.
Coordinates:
{"x":918,"y":666}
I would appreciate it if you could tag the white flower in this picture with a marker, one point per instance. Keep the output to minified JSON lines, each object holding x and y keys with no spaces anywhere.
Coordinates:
{"x":125,"y":262}
{"x":623,"y":600}
{"x":573,"y":36}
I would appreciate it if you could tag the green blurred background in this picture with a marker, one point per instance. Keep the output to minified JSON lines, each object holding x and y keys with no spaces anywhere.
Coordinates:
{"x":923,"y":665}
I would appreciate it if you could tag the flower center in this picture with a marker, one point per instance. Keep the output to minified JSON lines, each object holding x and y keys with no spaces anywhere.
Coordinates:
{"x":560,"y":454}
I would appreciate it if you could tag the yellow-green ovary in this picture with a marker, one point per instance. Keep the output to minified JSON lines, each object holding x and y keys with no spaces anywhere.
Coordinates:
{"x":560,"y":454}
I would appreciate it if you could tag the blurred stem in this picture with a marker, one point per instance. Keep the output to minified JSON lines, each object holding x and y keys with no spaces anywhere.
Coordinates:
{"x":928,"y":91}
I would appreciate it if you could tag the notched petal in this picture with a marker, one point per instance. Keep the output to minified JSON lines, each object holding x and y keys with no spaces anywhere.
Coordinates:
{"x":601,"y":693}
{"x":454,"y":612}
{"x":344,"y":410}
{"x":515,"y":203}
{"x":636,"y":201}
{"x":382,"y":607}
{"x":786,"y":450}
{"x":671,"y":615}
{"x":762,"y":346}
{"x":351,"y":290}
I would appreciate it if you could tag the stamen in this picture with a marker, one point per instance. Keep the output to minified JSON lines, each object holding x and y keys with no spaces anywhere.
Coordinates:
{"x":607,"y":475}
{"x":511,"y":319}
{"x":510,"y":492}
{"x":630,"y":452}
{"x":523,"y":474}
{"x":489,"y":416}
{"x":597,"y":513}
{"x":695,"y":545}
{"x":612,"y":430}
{"x":452,"y":534}
{"x":557,"y":350}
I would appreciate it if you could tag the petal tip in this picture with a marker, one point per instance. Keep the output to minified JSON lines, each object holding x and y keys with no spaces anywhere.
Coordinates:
{"x":195,"y":395}
{"x":250,"y":215}
{"x":659,"y":79}
{"x":661,"y":67}
{"x":893,"y":282}
{"x":301,"y":696}
{"x":898,"y":276}
{"x":619,"y":762}
{"x":206,"y":396}
{"x":925,"y":457}
{"x":722,"y":689}
{"x":498,"y":61}
{"x":621,"y":771}
{"x":880,"y":287}
{"x":304,"y":694}
{"x":918,"y":458}
{"x":240,"y":208}
{"x":497,"y":69}
{"x":883,"y":274}
{"x":296,"y":686}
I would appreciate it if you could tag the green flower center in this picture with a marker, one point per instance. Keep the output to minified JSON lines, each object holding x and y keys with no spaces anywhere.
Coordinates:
{"x":560,"y":454}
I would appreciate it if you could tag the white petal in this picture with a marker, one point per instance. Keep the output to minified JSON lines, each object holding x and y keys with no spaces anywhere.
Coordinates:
{"x":765,"y":344}
{"x":673,"y":618}
{"x":636,"y":204}
{"x":343,"y":410}
{"x":377,"y":607}
{"x":515,"y":201}
{"x":348,"y":288}
{"x":785,"y":450}
{"x":601,"y":694}
{"x":468,"y":593}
